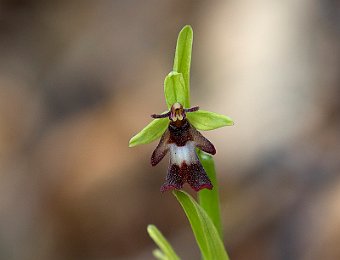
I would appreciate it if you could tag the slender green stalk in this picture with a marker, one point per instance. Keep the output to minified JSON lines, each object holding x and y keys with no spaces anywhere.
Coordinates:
{"x":209,"y":199}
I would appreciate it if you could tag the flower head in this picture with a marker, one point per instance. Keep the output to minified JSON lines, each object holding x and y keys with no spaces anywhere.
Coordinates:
{"x":178,"y":126}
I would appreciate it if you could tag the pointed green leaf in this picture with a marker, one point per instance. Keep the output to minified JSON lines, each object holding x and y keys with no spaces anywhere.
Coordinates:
{"x":205,"y":120}
{"x":174,"y":89}
{"x":182,"y":59}
{"x":205,"y":232}
{"x":209,"y":199}
{"x":164,"y":245}
{"x":150,"y":133}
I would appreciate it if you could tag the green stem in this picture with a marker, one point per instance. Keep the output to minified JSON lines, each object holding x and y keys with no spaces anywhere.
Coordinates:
{"x":209,"y":199}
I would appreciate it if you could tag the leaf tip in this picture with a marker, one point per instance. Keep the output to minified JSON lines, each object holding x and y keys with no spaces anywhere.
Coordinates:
{"x":150,"y":228}
{"x":158,"y":254}
{"x":131,"y":142}
{"x":230,"y":121}
{"x":171,"y":74}
{"x":188,"y":28}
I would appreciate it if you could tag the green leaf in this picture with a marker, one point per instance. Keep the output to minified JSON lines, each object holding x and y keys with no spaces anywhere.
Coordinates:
{"x":205,"y":120}
{"x":174,"y":89}
{"x":209,"y":199}
{"x":150,"y":133}
{"x":182,"y":59}
{"x":205,"y":232}
{"x":164,"y":245}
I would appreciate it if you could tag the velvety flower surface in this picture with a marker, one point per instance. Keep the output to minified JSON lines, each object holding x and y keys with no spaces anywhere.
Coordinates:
{"x":181,"y":139}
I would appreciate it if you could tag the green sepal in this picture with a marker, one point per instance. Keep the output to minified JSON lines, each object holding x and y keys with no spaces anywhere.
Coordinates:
{"x":182,"y":59}
{"x":205,"y":120}
{"x":174,"y":89}
{"x":206,"y":234}
{"x":151,"y":132}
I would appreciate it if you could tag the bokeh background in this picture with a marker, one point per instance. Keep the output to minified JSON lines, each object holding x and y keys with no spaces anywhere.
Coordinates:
{"x":79,"y":78}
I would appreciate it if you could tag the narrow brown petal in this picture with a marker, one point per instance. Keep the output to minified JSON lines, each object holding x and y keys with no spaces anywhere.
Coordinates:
{"x":202,"y":143}
{"x":161,"y":149}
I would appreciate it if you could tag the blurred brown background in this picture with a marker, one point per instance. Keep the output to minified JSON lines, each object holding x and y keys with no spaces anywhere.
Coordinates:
{"x":79,"y":78}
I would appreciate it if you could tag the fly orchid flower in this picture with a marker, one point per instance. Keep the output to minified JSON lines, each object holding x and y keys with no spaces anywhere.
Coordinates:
{"x":181,"y":140}
{"x":178,"y":127}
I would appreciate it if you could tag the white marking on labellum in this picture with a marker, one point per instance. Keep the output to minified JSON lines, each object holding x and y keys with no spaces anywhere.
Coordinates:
{"x":180,"y":154}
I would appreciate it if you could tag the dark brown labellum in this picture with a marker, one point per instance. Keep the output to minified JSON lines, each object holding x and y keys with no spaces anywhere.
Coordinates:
{"x":181,"y":140}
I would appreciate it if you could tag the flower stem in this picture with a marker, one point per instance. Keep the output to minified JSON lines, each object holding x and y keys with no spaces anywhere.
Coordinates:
{"x":209,"y":199}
